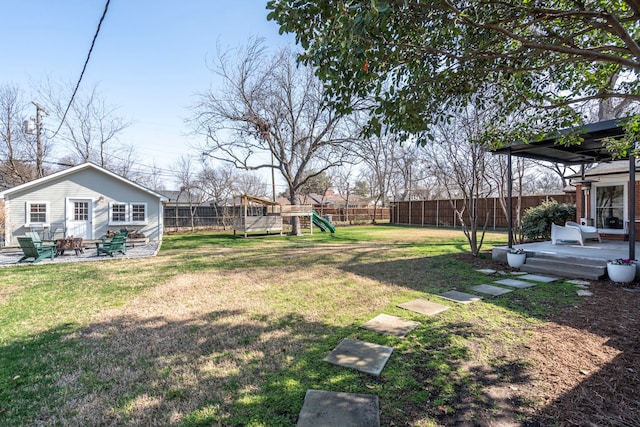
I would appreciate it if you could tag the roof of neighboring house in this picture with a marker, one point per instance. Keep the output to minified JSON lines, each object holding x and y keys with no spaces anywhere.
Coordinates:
{"x":177,"y":197}
{"x":283,"y":201}
{"x":73,"y":170}
{"x":332,"y":198}
{"x":608,"y":168}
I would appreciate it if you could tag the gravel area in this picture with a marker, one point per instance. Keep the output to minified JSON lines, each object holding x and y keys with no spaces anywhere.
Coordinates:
{"x":10,"y":258}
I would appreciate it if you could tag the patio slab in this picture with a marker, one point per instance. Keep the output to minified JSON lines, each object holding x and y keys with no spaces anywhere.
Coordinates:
{"x":390,"y":325}
{"x":326,"y":408}
{"x":491,"y":290}
{"x":423,"y":306}
{"x":520,"y":284}
{"x":360,"y":355}
{"x":460,"y":297}
{"x":584,"y":293}
{"x":539,"y":278}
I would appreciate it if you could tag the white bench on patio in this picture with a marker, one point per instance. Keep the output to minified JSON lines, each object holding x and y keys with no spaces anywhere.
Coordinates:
{"x":573,"y":232}
{"x":587,"y":231}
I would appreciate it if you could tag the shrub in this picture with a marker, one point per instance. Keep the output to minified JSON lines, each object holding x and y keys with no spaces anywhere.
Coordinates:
{"x":536,"y":223}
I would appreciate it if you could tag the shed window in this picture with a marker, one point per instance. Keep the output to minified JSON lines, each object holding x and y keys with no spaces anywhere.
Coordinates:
{"x":138,"y":212}
{"x":127,"y":213}
{"x":118,"y":212}
{"x":37,"y":213}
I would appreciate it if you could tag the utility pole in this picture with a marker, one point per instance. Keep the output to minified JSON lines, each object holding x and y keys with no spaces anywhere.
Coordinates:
{"x":39,"y":155}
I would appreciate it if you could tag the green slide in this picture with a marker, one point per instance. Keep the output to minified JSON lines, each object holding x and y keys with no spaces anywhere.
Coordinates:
{"x":322,"y":223}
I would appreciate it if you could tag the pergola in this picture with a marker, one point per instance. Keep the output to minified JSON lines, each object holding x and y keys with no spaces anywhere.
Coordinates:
{"x":590,"y":150}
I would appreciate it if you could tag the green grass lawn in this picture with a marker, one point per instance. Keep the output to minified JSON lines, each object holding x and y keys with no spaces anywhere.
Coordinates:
{"x":218,"y":330}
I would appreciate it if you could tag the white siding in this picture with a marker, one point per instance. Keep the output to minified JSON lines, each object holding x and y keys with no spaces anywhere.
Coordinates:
{"x":90,"y":184}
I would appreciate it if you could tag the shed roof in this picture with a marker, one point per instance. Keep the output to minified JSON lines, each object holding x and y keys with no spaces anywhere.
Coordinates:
{"x":73,"y":170}
{"x":591,"y":150}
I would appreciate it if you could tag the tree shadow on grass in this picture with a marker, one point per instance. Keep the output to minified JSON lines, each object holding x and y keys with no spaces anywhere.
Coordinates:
{"x":219,"y":368}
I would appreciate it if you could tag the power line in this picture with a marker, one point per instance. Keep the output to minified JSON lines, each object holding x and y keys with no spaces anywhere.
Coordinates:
{"x":84,"y":68}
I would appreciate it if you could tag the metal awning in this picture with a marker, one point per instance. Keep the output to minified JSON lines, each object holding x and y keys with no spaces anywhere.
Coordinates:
{"x":590,"y":150}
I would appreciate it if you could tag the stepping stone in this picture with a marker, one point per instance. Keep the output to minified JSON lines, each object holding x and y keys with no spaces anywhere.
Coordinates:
{"x":539,"y":278}
{"x":423,"y":306}
{"x":584,"y":293}
{"x":461,"y":297}
{"x":362,"y":356}
{"x":579,"y":282}
{"x":326,"y":408}
{"x":520,"y":284}
{"x":519,"y":273}
{"x":491,"y":290}
{"x":390,"y":325}
{"x":487,"y":271}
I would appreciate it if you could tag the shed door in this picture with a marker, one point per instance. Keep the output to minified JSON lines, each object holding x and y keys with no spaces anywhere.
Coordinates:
{"x":79,"y":218}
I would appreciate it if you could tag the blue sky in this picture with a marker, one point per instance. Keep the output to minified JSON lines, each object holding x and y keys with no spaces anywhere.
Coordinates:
{"x":150,"y":57}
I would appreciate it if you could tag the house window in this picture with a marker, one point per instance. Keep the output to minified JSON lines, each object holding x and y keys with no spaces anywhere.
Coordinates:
{"x":127,"y":213}
{"x":610,"y":206}
{"x":37,"y":213}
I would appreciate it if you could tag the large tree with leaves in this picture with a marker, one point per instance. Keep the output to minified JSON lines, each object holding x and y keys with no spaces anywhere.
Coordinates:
{"x":421,"y":58}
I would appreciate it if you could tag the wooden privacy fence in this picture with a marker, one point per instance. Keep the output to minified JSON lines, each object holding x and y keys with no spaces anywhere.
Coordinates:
{"x":441,"y":213}
{"x":197,"y":217}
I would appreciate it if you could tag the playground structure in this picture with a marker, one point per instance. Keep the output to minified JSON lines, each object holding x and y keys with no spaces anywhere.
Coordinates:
{"x":257,"y":214}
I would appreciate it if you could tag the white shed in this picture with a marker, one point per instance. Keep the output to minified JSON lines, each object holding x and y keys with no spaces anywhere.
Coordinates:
{"x":83,"y":201}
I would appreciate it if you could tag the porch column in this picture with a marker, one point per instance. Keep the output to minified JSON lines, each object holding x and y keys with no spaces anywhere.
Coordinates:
{"x":632,"y":206}
{"x":509,"y":197}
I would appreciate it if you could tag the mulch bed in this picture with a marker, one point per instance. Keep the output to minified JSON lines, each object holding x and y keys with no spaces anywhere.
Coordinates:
{"x":586,"y":361}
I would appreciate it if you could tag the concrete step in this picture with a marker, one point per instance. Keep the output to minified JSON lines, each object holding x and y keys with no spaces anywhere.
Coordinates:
{"x":566,"y":267}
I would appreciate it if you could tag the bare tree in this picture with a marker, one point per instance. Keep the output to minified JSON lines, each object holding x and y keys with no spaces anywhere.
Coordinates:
{"x":378,"y":156}
{"x":459,"y":165}
{"x":343,"y":179}
{"x":248,"y":182}
{"x":270,"y":113}
{"x":90,"y":129}
{"x":188,"y":179}
{"x":17,"y":161}
{"x":497,"y":173}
